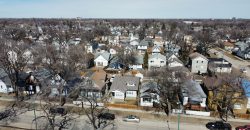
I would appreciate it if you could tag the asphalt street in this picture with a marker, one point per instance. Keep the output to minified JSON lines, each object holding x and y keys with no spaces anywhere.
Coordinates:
{"x":25,"y":121}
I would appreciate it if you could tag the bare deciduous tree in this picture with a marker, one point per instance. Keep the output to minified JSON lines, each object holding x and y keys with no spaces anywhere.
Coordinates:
{"x":93,"y":111}
{"x":169,"y":82}
{"x":13,"y":60}
{"x":226,"y":95}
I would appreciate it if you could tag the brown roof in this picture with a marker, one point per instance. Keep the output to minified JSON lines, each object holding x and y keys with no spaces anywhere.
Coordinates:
{"x":99,"y":78}
{"x":228,"y":44}
{"x":196,"y":55}
{"x":216,"y":82}
{"x":211,"y":82}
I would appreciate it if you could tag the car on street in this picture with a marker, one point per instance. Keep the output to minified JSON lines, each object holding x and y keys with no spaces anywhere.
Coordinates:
{"x":243,"y":70}
{"x":245,"y":127}
{"x":58,"y":110}
{"x":131,"y":118}
{"x":218,"y":125}
{"x":106,"y":116}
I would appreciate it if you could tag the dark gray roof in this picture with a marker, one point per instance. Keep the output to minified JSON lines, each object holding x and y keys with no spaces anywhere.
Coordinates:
{"x":4,"y":77}
{"x":175,"y":60}
{"x":124,"y":83}
{"x":217,"y":60}
{"x":144,"y":43}
{"x":139,"y":59}
{"x":150,"y":86}
{"x":193,"y":91}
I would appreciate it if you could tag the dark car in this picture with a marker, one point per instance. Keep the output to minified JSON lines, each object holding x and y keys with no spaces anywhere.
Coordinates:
{"x":59,"y":110}
{"x":218,"y":125}
{"x":6,"y":113}
{"x":245,"y":127}
{"x":106,"y":116}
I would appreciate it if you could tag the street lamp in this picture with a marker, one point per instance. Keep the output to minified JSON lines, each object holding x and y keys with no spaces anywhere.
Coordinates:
{"x":178,"y":103}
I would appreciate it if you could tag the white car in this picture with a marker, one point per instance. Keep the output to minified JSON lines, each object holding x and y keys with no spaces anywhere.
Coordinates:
{"x":131,"y":118}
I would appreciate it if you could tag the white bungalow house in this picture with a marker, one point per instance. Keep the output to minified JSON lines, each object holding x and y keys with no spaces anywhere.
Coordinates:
{"x":5,"y":82}
{"x":198,"y":63}
{"x":89,"y":48}
{"x":143,"y":46}
{"x":124,"y":88}
{"x":219,"y":65}
{"x":102,"y":59}
{"x":4,"y":88}
{"x":138,"y":63}
{"x":173,"y":61}
{"x":149,"y":94}
{"x":156,"y":61}
{"x":192,"y":94}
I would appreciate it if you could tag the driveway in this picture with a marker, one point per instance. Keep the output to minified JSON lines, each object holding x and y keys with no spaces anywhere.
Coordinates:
{"x":236,"y":62}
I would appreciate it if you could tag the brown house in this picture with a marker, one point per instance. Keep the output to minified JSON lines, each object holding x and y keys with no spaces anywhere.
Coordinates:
{"x":224,"y":93}
{"x":228,"y":46}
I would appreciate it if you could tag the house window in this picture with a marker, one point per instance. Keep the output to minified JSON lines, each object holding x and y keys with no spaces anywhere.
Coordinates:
{"x":201,"y":61}
{"x":146,"y":99}
{"x":99,"y":64}
{"x":237,"y":106}
{"x":130,"y":84}
{"x":162,"y":61}
{"x":152,"y":61}
{"x":129,"y":92}
{"x":1,"y":86}
{"x":196,"y":61}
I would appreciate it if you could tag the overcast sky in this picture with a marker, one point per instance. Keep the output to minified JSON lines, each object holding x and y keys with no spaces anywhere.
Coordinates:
{"x":125,"y":8}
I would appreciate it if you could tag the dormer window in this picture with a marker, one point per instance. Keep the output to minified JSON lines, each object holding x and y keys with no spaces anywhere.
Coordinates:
{"x":130,"y":84}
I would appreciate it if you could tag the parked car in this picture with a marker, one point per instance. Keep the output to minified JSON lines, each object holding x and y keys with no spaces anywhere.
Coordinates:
{"x":245,"y":127}
{"x":131,"y":118}
{"x":243,"y":70}
{"x":218,"y":125}
{"x":107,"y":116}
{"x":58,"y":110}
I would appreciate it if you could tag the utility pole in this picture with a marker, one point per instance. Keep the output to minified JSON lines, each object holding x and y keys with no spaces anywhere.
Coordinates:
{"x":178,"y":103}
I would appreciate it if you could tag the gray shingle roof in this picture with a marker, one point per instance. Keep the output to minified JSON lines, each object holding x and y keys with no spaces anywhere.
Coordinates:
{"x":157,"y":56}
{"x":106,"y":55}
{"x":193,"y":91}
{"x":124,"y":83}
{"x":149,"y":86}
{"x":144,"y":43}
{"x":139,"y":59}
{"x":4,"y":77}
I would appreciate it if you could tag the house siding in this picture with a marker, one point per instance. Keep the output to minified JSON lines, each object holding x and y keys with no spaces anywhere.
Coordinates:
{"x":100,"y":62}
{"x":131,"y":94}
{"x":156,"y":62}
{"x":199,"y":65}
{"x":118,"y":95}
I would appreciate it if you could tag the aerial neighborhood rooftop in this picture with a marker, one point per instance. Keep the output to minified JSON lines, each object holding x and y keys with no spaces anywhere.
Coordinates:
{"x":199,"y":67}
